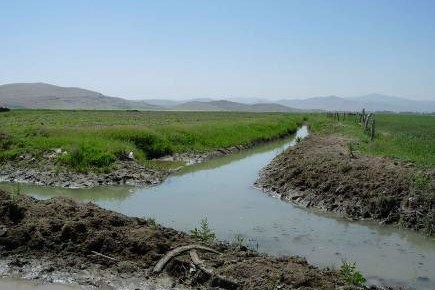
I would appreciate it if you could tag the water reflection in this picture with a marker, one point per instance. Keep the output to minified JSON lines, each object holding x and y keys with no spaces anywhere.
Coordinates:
{"x":107,"y":193}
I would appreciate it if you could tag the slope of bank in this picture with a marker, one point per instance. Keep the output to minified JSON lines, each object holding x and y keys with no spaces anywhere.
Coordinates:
{"x":324,"y":172}
{"x":58,"y":239}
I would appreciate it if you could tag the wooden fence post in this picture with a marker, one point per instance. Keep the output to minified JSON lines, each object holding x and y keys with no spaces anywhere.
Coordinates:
{"x":363,"y":117}
{"x":372,"y":133}
{"x":366,"y":124}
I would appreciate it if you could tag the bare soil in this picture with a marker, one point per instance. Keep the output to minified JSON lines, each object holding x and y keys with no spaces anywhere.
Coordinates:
{"x":48,"y":173}
{"x":42,"y":238}
{"x":321,"y":172}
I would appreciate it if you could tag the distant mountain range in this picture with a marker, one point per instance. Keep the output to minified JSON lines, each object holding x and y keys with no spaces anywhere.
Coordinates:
{"x":371,"y":102}
{"x":46,"y":96}
{"x":224,"y":105}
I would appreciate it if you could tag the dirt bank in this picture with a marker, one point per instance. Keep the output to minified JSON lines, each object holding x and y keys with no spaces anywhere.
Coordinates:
{"x":49,"y":173}
{"x":61,"y":240}
{"x":321,"y":172}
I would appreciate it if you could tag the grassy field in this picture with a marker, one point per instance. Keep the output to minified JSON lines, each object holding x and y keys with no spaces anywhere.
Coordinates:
{"x":97,"y":138}
{"x":405,"y":137}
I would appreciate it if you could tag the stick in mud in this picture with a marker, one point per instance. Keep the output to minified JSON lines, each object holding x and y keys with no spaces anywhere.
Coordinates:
{"x":104,"y":256}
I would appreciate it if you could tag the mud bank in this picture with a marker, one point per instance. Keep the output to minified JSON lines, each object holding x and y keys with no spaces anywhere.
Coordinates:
{"x":64,"y":241}
{"x":48,"y":172}
{"x":321,"y":172}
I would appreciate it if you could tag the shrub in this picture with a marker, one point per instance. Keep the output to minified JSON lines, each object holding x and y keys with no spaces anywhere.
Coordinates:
{"x":84,"y":156}
{"x":350,"y":274}
{"x":151,"y":222}
{"x":152,"y":145}
{"x":204,"y":233}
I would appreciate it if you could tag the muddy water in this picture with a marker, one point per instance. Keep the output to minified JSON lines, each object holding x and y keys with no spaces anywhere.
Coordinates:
{"x":222,"y":191}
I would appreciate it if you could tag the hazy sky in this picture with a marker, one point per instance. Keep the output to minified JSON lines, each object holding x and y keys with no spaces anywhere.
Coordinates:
{"x":180,"y":49}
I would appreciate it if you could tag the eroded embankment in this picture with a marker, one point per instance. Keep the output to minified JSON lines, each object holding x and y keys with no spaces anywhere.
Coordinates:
{"x":41,"y":238}
{"x":322,"y":172}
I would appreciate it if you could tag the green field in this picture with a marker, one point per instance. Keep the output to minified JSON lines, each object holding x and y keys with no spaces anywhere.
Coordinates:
{"x":95,"y":139}
{"x":404,"y":137}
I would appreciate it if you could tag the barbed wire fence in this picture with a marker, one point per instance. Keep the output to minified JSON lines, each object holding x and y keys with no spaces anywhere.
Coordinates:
{"x":366,"y":120}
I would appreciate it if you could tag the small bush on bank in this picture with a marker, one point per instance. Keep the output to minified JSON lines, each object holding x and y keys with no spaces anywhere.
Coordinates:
{"x":350,"y":274}
{"x":82,"y":157}
{"x":204,"y":232}
{"x":148,"y":142}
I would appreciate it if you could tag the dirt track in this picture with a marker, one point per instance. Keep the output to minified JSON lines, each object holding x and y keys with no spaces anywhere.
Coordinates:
{"x":320,"y":172}
{"x":54,"y":240}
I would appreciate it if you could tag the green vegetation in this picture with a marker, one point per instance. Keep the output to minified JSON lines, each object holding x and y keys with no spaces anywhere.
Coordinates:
{"x":239,"y":240}
{"x":422,"y":182}
{"x":15,"y":211}
{"x":350,"y":274}
{"x":204,"y":233}
{"x":16,"y":192}
{"x":403,"y":137}
{"x":95,"y":139}
{"x":151,"y":222}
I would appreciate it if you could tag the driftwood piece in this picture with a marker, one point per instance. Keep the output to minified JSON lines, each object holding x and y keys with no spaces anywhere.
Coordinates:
{"x":201,"y":265}
{"x":176,"y":252}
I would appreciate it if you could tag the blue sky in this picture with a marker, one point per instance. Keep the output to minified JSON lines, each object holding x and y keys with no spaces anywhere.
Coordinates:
{"x":183,"y":49}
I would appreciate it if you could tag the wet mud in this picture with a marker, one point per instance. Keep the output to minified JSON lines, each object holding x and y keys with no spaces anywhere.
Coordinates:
{"x":60,"y":240}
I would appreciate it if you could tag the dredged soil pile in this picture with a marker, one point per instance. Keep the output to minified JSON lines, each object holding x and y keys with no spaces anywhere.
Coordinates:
{"x":322,"y":172}
{"x":66,"y":233}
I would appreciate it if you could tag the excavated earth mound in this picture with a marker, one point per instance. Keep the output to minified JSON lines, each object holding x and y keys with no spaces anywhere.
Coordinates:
{"x":63,"y":235}
{"x":321,"y":172}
